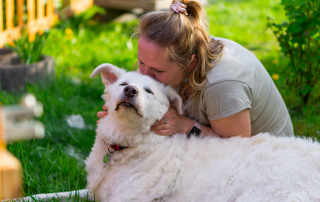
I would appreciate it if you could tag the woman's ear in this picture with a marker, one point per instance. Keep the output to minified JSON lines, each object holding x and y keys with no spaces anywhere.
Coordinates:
{"x":193,"y":62}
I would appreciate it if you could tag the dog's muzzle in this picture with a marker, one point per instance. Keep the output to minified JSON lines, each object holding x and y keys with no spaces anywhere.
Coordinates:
{"x":128,"y":99}
{"x":130,"y":91}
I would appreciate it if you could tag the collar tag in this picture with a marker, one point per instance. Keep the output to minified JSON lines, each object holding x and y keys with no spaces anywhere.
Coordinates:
{"x":106,"y":158}
{"x":112,"y":149}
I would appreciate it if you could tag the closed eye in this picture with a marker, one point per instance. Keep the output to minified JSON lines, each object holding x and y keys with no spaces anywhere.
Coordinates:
{"x":123,"y":84}
{"x":148,"y":90}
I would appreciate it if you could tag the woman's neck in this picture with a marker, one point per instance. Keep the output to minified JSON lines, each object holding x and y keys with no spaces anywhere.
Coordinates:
{"x":185,"y":90}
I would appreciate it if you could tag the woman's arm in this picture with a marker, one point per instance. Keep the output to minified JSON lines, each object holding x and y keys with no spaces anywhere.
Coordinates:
{"x":234,"y":125}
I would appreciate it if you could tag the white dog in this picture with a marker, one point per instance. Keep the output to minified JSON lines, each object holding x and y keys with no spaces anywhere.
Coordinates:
{"x":149,"y":167}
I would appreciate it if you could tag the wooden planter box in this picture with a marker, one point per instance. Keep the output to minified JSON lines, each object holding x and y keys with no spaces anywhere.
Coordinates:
{"x":147,"y":5}
{"x":14,"y":75}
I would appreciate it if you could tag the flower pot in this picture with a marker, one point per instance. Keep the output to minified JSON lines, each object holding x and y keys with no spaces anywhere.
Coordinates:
{"x":14,"y":75}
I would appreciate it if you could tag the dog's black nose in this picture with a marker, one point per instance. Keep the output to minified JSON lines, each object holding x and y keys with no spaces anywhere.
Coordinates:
{"x":130,"y":91}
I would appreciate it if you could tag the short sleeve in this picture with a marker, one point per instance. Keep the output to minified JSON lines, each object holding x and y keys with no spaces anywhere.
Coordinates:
{"x":226,"y":98}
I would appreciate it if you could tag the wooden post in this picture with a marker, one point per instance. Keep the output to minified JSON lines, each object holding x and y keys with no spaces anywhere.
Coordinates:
{"x":9,"y":14}
{"x":1,"y":17}
{"x":31,"y":17}
{"x":40,"y":6}
{"x":40,"y":16}
{"x":49,"y":8}
{"x":2,"y":140}
{"x":20,"y":12}
{"x":12,"y":128}
{"x":10,"y":169}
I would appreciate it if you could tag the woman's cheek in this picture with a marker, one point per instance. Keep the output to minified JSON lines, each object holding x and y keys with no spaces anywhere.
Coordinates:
{"x":160,"y":78}
{"x":141,"y":69}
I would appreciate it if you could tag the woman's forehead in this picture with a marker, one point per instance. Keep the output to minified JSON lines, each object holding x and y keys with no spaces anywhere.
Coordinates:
{"x":150,"y":51}
{"x":153,"y":56}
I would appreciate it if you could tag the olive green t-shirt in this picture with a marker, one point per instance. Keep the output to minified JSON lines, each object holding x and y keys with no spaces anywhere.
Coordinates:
{"x":239,"y":81}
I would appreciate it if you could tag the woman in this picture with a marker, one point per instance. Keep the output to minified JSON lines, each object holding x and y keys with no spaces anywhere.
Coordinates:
{"x":225,"y":89}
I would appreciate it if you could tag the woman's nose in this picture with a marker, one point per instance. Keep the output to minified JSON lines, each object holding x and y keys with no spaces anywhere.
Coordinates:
{"x":147,"y":71}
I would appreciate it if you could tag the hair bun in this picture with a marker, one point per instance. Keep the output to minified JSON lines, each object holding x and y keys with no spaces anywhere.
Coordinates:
{"x":195,"y":10}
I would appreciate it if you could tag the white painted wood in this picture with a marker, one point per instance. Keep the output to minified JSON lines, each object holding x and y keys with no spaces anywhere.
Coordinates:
{"x":64,"y":196}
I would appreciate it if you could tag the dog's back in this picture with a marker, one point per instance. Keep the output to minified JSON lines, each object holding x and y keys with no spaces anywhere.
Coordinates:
{"x":262,"y":168}
{"x":156,"y":168}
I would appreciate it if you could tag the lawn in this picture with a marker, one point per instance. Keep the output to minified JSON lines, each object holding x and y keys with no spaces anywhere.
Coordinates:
{"x":56,"y":163}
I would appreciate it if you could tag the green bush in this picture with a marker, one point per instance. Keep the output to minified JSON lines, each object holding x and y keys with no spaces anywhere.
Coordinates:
{"x":299,"y":39}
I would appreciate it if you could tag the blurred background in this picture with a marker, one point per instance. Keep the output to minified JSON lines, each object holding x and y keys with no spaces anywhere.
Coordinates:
{"x":59,"y":43}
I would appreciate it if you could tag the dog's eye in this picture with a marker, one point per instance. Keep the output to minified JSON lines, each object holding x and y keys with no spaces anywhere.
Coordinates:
{"x":123,"y":84}
{"x":148,"y":90}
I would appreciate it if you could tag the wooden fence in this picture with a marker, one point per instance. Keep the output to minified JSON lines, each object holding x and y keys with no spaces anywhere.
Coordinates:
{"x":79,"y":6}
{"x":39,"y":16}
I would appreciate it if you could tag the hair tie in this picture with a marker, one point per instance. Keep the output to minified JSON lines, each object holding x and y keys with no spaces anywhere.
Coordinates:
{"x":179,"y":7}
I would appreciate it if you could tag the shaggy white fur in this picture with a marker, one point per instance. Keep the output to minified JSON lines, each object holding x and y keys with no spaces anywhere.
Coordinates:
{"x":157,"y":168}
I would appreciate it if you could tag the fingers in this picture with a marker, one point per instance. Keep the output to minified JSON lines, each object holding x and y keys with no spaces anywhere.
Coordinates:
{"x":105,"y":108}
{"x":159,"y":123}
{"x":168,"y":124}
{"x":102,"y":114}
{"x":162,"y":129}
{"x":165,"y":132}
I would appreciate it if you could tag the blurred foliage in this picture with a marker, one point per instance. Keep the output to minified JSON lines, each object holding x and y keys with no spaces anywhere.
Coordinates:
{"x":30,"y":51}
{"x":245,"y":21}
{"x":75,"y":22}
{"x":299,"y":38}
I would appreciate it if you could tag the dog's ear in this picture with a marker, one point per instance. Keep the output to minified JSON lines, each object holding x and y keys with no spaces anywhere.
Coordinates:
{"x":174,"y":98}
{"x":109,"y":73}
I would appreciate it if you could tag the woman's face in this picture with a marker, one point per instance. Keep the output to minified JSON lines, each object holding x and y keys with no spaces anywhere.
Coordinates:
{"x":154,"y":63}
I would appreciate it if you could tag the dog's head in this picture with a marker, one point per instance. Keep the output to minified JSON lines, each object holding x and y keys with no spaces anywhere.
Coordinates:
{"x":135,"y":101}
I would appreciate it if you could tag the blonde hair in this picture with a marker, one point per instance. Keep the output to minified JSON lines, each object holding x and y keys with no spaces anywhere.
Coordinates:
{"x":183,"y":36}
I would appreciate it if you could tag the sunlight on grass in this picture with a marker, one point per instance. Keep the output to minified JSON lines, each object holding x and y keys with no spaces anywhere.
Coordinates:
{"x":77,"y":54}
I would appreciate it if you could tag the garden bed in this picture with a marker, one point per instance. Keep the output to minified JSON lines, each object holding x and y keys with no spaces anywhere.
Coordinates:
{"x":14,"y":74}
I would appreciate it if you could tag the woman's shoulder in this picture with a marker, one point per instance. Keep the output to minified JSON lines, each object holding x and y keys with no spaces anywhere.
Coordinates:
{"x":236,"y":50}
{"x":237,"y":64}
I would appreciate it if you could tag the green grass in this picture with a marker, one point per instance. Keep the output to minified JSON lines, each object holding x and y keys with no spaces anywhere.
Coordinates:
{"x":56,"y":163}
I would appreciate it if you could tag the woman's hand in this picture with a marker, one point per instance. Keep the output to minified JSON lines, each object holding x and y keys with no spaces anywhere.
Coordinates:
{"x":102,"y":114}
{"x":174,"y":123}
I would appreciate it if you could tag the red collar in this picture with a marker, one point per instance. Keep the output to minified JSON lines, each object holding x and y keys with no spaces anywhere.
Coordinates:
{"x":114,"y":148}
{"x":117,"y":147}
